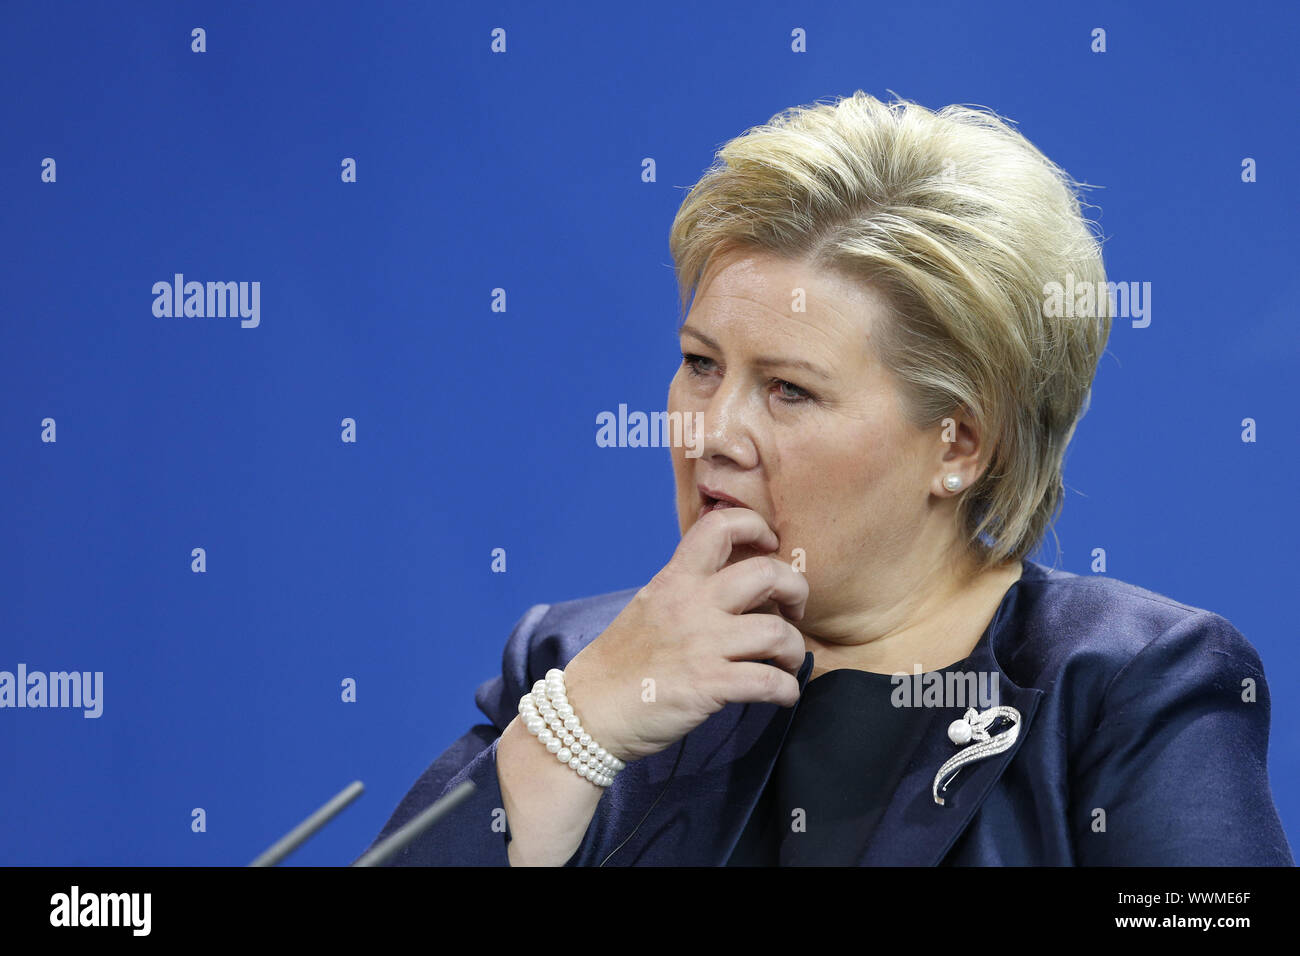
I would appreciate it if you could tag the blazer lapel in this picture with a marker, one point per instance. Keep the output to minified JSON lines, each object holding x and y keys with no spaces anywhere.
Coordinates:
{"x":722,"y":767}
{"x":750,"y":788}
{"x":916,"y":831}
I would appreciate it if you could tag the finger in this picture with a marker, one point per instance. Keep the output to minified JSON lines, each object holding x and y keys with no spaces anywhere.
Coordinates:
{"x":748,"y":584}
{"x":751,"y":682}
{"x":764,"y":637}
{"x":708,"y":543}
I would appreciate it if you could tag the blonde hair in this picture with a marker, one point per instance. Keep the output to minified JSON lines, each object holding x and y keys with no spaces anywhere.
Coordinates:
{"x":963,"y":224}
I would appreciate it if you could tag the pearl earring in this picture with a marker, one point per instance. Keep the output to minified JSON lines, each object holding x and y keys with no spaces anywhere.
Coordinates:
{"x":952,"y":482}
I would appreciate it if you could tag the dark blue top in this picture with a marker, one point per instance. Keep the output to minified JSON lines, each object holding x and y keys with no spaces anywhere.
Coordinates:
{"x":1143,"y":741}
{"x":844,"y":754}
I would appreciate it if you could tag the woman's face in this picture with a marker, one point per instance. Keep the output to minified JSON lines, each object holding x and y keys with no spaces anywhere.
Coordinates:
{"x":802,"y":424}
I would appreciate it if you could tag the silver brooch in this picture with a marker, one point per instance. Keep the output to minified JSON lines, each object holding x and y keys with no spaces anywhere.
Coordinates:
{"x":973,"y":725}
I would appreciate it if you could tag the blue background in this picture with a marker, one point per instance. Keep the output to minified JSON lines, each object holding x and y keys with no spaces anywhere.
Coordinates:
{"x":476,"y":429}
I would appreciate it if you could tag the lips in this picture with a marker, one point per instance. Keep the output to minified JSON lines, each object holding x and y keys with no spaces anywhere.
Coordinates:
{"x":712,"y":499}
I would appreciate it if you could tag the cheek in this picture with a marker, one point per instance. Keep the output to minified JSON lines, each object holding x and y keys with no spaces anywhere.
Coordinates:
{"x":828,"y":487}
{"x":683,"y":468}
{"x":676,"y":404}
{"x":684,"y":395}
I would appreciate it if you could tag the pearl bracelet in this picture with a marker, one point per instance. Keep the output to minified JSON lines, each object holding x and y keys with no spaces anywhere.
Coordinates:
{"x":549,"y":717}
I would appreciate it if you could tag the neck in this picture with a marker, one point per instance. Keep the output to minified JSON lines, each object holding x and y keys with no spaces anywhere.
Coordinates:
{"x":929,"y":614}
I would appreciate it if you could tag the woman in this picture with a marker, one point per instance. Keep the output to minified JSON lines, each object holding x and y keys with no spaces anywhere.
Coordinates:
{"x":886,"y":396}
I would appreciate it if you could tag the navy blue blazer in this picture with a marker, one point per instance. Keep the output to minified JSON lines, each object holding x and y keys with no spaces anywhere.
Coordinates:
{"x":1136,"y":747}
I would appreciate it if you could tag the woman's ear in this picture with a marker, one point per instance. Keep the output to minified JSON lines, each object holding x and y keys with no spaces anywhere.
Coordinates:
{"x":960,"y":454}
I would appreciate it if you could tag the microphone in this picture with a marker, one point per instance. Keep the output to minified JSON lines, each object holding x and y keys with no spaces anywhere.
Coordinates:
{"x":398,"y":841}
{"x":305,"y":830}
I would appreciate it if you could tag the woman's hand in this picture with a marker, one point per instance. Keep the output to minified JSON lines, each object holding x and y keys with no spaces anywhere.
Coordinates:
{"x":684,"y":646}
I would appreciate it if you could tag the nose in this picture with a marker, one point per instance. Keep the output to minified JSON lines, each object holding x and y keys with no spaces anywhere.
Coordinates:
{"x":728,"y":431}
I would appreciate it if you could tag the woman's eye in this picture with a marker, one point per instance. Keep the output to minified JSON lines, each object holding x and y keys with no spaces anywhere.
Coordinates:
{"x":698,"y":364}
{"x":787,"y":392}
{"x":790,"y":394}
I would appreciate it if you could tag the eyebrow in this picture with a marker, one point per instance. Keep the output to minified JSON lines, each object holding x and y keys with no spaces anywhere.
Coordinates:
{"x":762,"y":361}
